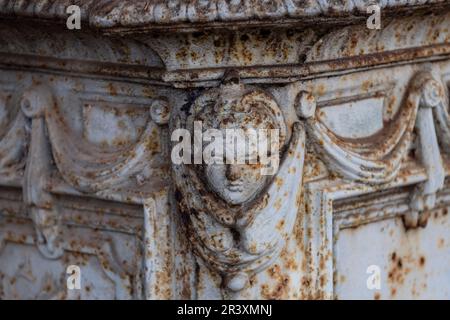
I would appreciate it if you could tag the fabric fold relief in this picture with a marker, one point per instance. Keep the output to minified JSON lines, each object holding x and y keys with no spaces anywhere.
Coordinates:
{"x":13,"y":138}
{"x":13,"y":145}
{"x":376,"y":159}
{"x":90,"y":168}
{"x":442,"y":118}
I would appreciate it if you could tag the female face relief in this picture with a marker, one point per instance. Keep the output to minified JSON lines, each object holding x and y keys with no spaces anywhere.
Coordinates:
{"x":240,"y":177}
{"x":236,"y":183}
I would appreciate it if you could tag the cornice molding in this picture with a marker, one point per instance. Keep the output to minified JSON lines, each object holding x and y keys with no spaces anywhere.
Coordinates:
{"x":133,"y":16}
{"x":179,"y":59}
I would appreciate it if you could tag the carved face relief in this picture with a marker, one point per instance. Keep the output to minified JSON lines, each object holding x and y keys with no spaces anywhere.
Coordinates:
{"x":236,"y":183}
{"x":246,"y":232}
{"x":249,"y":111}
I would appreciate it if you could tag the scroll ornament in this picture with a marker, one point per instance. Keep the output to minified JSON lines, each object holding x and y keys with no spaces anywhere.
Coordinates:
{"x":238,"y":232}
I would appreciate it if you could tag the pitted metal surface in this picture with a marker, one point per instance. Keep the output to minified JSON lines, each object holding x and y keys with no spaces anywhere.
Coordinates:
{"x":356,"y":209}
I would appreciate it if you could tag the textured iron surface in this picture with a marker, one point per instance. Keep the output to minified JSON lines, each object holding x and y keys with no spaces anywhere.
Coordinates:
{"x":148,"y":13}
{"x":87,"y":178}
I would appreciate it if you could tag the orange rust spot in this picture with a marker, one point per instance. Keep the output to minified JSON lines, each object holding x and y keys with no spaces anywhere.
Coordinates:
{"x":111,"y":89}
{"x":194,"y":55}
{"x":422,"y":261}
{"x":393,"y":291}
{"x":182,"y":54}
{"x":366,"y":85}
{"x":280,"y":224}
{"x":278,"y":204}
{"x":393,"y":256}
{"x":321,"y":89}
{"x":279,"y":182}
{"x":148,"y":92}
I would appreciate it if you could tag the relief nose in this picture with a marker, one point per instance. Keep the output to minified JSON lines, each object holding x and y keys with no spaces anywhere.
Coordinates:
{"x":233,"y":172}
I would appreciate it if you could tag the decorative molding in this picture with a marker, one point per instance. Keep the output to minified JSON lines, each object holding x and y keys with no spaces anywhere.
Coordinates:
{"x":325,"y":52}
{"x":103,"y":248}
{"x":239,"y":234}
{"x":85,"y":165}
{"x":56,"y":49}
{"x":14,"y":136}
{"x":377,"y":159}
{"x":396,"y":35}
{"x":53,"y":144}
{"x":151,"y":13}
{"x":186,"y":51}
{"x":168,"y":269}
{"x":40,"y":204}
{"x":86,"y":117}
{"x":432,"y":96}
{"x":90,"y":168}
{"x":295,"y":54}
{"x":128,"y":14}
{"x":42,"y":9}
{"x":50,"y":287}
{"x":179,"y":58}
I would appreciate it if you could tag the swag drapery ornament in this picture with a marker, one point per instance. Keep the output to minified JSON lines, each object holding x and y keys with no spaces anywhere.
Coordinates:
{"x":238,"y":236}
{"x":83,"y":165}
{"x":243,"y":232}
{"x":378,"y":159}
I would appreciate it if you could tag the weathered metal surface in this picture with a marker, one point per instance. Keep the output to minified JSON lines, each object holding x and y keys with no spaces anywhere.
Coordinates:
{"x":87,"y":178}
{"x":412,"y":262}
{"x":241,"y":222}
{"x":149,"y":14}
